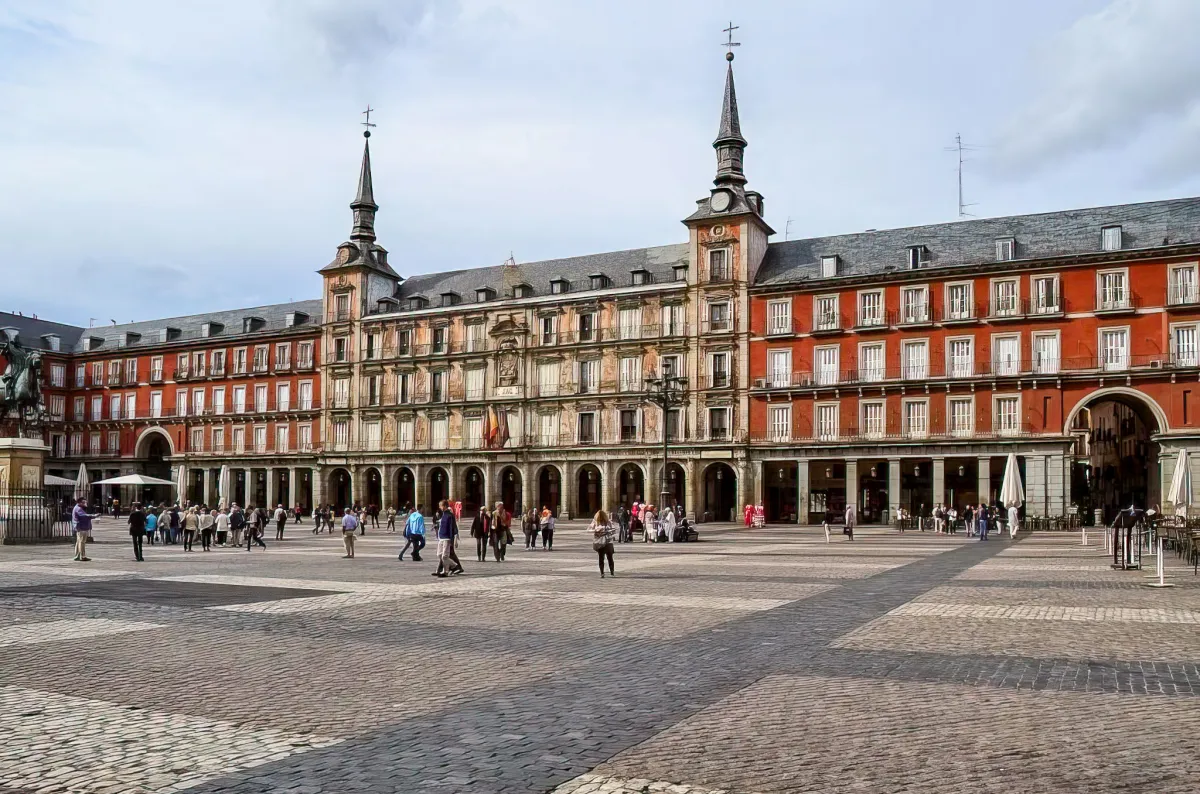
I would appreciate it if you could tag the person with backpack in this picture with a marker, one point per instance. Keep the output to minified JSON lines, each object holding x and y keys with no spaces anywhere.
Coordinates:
{"x":414,"y":534}
{"x":603,"y":534}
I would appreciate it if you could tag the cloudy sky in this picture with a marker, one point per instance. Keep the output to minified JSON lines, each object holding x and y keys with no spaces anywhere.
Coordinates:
{"x":165,"y":158}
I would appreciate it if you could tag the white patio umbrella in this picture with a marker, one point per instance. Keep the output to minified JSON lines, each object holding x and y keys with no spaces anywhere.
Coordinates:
{"x":51,"y":479}
{"x":134,"y":479}
{"x":181,"y":484}
{"x":1012,"y":490}
{"x":82,"y":486}
{"x":223,"y":487}
{"x":1180,"y":494}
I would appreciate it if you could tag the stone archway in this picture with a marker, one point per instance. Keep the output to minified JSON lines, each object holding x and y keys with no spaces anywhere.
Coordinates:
{"x":472,"y":490}
{"x":511,"y":490}
{"x":631,"y":485}
{"x":406,"y":491}
{"x":372,"y":490}
{"x":549,"y":489}
{"x":148,"y":437}
{"x":1115,"y":455}
{"x":720,"y":493}
{"x":339,"y":488}
{"x":439,"y":487}
{"x":589,"y":490}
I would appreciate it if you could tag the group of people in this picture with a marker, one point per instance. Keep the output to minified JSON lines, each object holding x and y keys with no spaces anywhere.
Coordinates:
{"x":323,"y":517}
{"x":644,"y":520}
{"x":978,"y":520}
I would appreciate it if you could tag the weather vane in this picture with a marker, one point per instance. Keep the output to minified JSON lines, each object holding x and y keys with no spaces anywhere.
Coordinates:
{"x":729,"y":42}
{"x":367,"y":123}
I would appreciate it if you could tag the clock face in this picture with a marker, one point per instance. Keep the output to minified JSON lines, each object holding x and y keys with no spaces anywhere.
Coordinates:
{"x":719,"y":201}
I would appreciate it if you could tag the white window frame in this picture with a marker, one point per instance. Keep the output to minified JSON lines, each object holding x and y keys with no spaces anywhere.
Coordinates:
{"x":911,"y":372}
{"x":1110,"y":237}
{"x":997,"y":426}
{"x":1192,"y":357}
{"x":779,"y":423}
{"x":1006,"y":249}
{"x":729,"y":429}
{"x":1114,"y":301}
{"x":960,"y":432}
{"x":906,"y":427}
{"x":997,"y":310}
{"x":1011,"y":368}
{"x":1035,"y":299}
{"x":779,"y":317}
{"x":863,"y":428}
{"x":727,"y":324}
{"x":827,"y":321}
{"x":727,"y":357}
{"x":779,"y":378}
{"x":820,"y":377}
{"x":874,"y":375}
{"x":825,"y":431}
{"x":920,"y":312}
{"x":1177,"y":296}
{"x":725,"y":256}
{"x":629,"y":323}
{"x":1041,"y":367}
{"x":829,"y":266}
{"x":579,"y":439}
{"x":950,"y":369}
{"x":861,"y":317}
{"x":1119,"y":366}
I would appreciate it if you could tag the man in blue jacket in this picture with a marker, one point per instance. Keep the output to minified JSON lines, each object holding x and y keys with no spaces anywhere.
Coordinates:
{"x":81,"y":525}
{"x":414,"y":534}
{"x":447,"y":535}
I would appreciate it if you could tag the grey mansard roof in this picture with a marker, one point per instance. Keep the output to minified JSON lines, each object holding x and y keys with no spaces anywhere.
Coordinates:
{"x":274,"y":319}
{"x":617,"y":265}
{"x":30,"y":330}
{"x":1050,"y":234}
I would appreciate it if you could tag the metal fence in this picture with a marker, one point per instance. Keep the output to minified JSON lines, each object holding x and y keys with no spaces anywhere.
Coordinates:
{"x":35,"y":515}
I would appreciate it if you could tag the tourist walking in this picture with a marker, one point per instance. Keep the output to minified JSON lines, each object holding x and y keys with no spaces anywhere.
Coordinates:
{"x":668,"y":524}
{"x":237,"y":522}
{"x":481,"y":529}
{"x":280,"y":521}
{"x":222,"y":526}
{"x":499,"y":537}
{"x":391,"y":519}
{"x":1013,"y":521}
{"x":850,"y":518}
{"x":208,"y":522}
{"x":175,"y":524}
{"x":623,"y":523}
{"x":981,"y":520}
{"x":414,"y":534}
{"x":81,"y":525}
{"x":603,"y":534}
{"x":191,"y":525}
{"x":137,"y":529}
{"x":151,"y":524}
{"x":254,"y":527}
{"x":447,"y":535}
{"x":349,"y":524}
{"x":547,"y":530}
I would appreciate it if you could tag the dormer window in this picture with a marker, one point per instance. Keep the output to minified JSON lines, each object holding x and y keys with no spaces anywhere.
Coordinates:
{"x":295,"y":318}
{"x":93,"y":342}
{"x":417,"y":302}
{"x":381,"y":256}
{"x":450,"y":298}
{"x":250,"y":324}
{"x":918,"y":256}
{"x":1006,"y":249}
{"x":598,"y":280}
{"x":52,"y":342}
{"x":522,"y":291}
{"x":1110,"y":238}
{"x":680,"y":272}
{"x":558,"y":286}
{"x":130,"y":338}
{"x":640,"y":277}
{"x":171,"y":334}
{"x":210,"y":329}
{"x":484,"y":294}
{"x":829,"y":266}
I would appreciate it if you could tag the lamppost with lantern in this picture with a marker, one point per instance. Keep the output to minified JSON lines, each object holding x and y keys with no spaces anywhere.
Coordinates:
{"x":667,"y":392}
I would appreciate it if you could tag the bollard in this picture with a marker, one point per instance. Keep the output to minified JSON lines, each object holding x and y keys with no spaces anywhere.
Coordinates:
{"x":826,"y":531}
{"x":1160,"y":570}
{"x":1084,"y":542}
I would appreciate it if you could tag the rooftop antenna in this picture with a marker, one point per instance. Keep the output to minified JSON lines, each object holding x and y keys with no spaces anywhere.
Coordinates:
{"x":787,"y":228}
{"x":959,"y":147}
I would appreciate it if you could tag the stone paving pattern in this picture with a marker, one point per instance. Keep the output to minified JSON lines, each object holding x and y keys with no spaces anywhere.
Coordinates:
{"x":756,"y":661}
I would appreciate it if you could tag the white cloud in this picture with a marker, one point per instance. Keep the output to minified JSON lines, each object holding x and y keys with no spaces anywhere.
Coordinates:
{"x":1111,"y":77}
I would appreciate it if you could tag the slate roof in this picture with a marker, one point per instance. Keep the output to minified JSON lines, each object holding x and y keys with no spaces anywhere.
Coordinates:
{"x":1050,"y":234}
{"x":660,"y":261}
{"x":30,"y":330}
{"x":274,"y":317}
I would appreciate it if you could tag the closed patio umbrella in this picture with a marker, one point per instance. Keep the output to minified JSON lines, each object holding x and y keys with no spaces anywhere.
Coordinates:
{"x":223,"y":487}
{"x":1180,"y":494}
{"x":135,"y":479}
{"x":82,"y":486}
{"x":181,"y":484}
{"x":1012,"y":490}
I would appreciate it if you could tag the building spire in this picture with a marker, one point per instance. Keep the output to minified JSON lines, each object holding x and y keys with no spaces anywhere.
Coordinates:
{"x":730,"y":144}
{"x":364,"y":205}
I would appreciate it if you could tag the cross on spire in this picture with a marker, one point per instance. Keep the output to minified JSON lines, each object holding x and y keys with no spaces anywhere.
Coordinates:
{"x":729,"y":42}
{"x":367,"y":123}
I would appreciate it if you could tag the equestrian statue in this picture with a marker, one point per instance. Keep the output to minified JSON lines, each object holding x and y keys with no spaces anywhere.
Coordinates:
{"x":20,"y":385}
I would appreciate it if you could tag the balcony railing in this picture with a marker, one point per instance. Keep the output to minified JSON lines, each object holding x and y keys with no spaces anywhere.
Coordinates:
{"x":717,"y":326}
{"x":250,"y":448}
{"x":829,"y":322}
{"x":853,"y":434}
{"x":1183,"y":295}
{"x":874,"y":320}
{"x":917,"y":314}
{"x":1116,"y":302}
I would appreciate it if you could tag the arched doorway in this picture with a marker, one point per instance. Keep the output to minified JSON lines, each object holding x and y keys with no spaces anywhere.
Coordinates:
{"x":631,"y":485}
{"x":471,"y":491}
{"x":373,"y":492}
{"x":510,"y":490}
{"x":588,"y":484}
{"x":439,"y":488}
{"x":676,"y":486}
{"x":405,"y":489}
{"x":339,"y":489}
{"x":1115,"y":461}
{"x":720,"y":493}
{"x":156,"y":465}
{"x":549,"y":489}
{"x":781,"y":483}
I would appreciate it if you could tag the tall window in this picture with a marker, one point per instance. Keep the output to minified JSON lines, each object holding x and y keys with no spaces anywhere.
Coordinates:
{"x":587,"y":428}
{"x":827,"y":422}
{"x":341,"y":307}
{"x":283,"y":437}
{"x":1114,"y":347}
{"x":283,"y":396}
{"x":547,"y":379}
{"x":114,"y":406}
{"x":962,"y":416}
{"x":81,"y":371}
{"x":476,"y":341}
{"x":304,"y":438}
{"x":914,"y":304}
{"x":631,"y":373}
{"x":439,"y":433}
{"x":218,"y":362}
{"x":473,"y":432}
{"x":1005,"y":419}
{"x":1110,"y":238}
{"x":155,"y":404}
{"x":131,"y":406}
{"x":719,"y":316}
{"x":341,"y":393}
{"x":260,"y":438}
{"x":1046,"y":353}
{"x":915,"y":358}
{"x":404,"y":434}
{"x":872,"y":420}
{"x":548,"y":429}
{"x":870,"y":308}
{"x":549,"y":329}
{"x":589,"y":377}
{"x":58,"y":375}
{"x":1005,"y":298}
{"x":260,"y":358}
{"x":1185,"y":346}
{"x":718,"y":370}
{"x":1045,"y":295}
{"x":239,"y":360}
{"x":780,"y":423}
{"x":283,"y":353}
{"x":218,"y":439}
{"x":826,"y":313}
{"x":306,"y":395}
{"x":826,"y":365}
{"x":779,"y":317}
{"x":371,"y":390}
{"x":672,"y":319}
{"x":630,"y":321}
{"x":239,"y":399}
{"x":181,"y":403}
{"x":219,"y":400}
{"x":473,"y":382}
{"x":260,"y":398}
{"x":916,"y":418}
{"x":779,"y":368}
{"x":829,"y":266}
{"x":1114,"y":290}
{"x":437,"y":387}
{"x":439,"y":340}
{"x":1183,"y":285}
{"x":718,"y":265}
{"x":196,"y":442}
{"x":304,"y":354}
{"x":960,"y":355}
{"x":79,"y":409}
{"x":629,"y":424}
{"x":1006,"y":355}
{"x":870,"y":363}
{"x":238,"y":434}
{"x":718,"y":424}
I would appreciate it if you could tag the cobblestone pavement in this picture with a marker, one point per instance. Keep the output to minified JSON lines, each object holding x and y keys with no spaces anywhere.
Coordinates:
{"x":756,"y":661}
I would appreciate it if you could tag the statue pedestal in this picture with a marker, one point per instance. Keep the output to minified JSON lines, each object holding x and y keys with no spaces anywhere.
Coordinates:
{"x":22,"y":464}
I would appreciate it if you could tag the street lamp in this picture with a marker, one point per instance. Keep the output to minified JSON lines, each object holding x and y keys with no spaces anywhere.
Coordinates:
{"x":666,"y":392}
